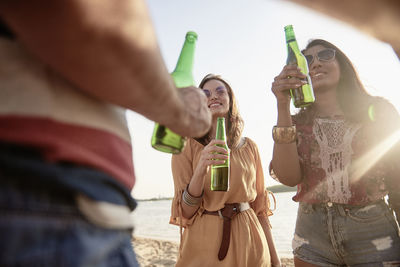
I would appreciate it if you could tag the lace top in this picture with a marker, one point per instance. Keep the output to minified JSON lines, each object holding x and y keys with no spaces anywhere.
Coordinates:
{"x":334,"y":138}
{"x":345,"y":162}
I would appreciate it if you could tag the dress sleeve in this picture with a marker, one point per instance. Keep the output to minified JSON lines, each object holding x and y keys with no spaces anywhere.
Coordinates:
{"x":261,"y":205}
{"x":182,"y":172}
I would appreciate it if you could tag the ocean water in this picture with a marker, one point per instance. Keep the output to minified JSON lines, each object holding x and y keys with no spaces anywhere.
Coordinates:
{"x":152,"y":221}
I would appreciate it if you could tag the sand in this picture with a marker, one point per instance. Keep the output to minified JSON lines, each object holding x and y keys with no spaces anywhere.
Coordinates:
{"x":158,"y":253}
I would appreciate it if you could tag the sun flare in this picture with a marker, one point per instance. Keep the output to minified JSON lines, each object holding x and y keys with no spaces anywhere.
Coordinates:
{"x":364,"y":163}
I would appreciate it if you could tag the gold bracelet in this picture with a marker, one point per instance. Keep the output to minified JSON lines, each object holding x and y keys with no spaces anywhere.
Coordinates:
{"x":284,"y":134}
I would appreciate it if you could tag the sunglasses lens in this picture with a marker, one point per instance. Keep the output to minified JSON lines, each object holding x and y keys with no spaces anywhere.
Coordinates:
{"x":309,"y":59}
{"x":326,"y":55}
{"x":207,"y":92}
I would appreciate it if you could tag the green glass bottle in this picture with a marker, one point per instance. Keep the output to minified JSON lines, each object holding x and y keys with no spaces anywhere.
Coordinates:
{"x":164,"y":139}
{"x":220,"y":173}
{"x":304,"y":95}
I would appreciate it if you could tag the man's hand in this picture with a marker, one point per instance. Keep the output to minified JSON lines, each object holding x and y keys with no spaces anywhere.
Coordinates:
{"x":196,"y":120}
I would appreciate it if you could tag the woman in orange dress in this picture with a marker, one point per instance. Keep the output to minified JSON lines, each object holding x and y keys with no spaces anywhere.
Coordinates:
{"x":195,"y":207}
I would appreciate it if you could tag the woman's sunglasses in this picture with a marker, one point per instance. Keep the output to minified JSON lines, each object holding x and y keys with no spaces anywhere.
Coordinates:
{"x":323,"y":55}
{"x":220,"y":90}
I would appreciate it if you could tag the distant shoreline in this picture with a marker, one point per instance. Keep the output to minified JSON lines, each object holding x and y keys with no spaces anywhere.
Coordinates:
{"x":280,"y":188}
{"x":154,"y":199}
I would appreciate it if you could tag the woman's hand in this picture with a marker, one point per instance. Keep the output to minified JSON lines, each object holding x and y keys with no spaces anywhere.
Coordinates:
{"x":211,"y":155}
{"x":289,"y":78}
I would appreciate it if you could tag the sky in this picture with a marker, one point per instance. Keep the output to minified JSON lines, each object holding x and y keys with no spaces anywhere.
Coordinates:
{"x":244,"y":42}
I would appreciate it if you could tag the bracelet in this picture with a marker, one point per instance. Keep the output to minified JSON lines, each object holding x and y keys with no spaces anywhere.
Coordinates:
{"x":190,"y":200}
{"x":284,"y":134}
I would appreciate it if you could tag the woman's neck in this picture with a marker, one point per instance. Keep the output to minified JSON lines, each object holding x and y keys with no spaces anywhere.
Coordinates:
{"x":326,"y":104}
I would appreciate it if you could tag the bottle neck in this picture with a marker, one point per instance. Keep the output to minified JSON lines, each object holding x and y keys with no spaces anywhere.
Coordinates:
{"x":291,"y":39}
{"x":289,"y":33}
{"x":220,"y":132}
{"x":293,"y":46}
{"x":186,"y":58}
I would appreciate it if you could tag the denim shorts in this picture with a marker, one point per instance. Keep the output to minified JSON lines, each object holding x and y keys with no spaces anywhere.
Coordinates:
{"x":332,"y":234}
{"x":41,"y":227}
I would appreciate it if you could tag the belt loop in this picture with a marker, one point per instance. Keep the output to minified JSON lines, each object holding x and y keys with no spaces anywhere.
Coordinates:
{"x":341,"y":210}
{"x":314,"y":206}
{"x":220,"y":214}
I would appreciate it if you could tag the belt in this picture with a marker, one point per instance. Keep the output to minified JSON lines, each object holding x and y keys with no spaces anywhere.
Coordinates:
{"x":227,"y":213}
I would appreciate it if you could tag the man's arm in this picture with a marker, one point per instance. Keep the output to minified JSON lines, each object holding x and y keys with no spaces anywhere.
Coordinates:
{"x":109,"y":50}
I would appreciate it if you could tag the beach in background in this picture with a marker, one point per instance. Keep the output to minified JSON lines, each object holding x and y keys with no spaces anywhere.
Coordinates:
{"x":156,"y":242}
{"x":159,"y":253}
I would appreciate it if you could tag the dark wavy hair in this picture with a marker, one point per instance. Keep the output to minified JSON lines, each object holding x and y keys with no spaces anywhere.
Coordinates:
{"x":352,"y":96}
{"x":234,"y":127}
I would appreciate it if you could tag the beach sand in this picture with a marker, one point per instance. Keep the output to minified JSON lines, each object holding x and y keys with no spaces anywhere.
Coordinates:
{"x":158,"y":253}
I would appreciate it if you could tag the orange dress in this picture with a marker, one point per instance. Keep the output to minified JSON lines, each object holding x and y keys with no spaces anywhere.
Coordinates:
{"x":202,"y":233}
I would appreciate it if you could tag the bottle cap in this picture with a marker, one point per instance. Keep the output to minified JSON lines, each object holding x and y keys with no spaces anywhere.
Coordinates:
{"x":288,"y":27}
{"x":289,"y":33}
{"x":191,"y":36}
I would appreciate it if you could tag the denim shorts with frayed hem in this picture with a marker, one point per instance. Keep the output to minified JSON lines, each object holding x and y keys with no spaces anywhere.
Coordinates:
{"x":45,"y":228}
{"x":332,"y":234}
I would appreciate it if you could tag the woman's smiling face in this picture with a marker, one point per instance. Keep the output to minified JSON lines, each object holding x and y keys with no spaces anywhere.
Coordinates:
{"x":217,"y":97}
{"x":325,"y":74}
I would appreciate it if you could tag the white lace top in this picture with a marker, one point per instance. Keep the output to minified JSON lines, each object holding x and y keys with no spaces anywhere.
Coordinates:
{"x":334,"y":138}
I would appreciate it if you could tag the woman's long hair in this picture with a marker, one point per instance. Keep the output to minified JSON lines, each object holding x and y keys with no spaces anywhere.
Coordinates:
{"x":352,"y":96}
{"x":234,"y":123}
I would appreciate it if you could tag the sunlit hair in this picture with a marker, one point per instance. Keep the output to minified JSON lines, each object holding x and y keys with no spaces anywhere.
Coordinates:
{"x":234,"y":123}
{"x":352,"y":95}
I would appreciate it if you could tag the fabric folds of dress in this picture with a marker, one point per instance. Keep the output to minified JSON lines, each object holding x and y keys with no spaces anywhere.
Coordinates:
{"x":202,"y":233}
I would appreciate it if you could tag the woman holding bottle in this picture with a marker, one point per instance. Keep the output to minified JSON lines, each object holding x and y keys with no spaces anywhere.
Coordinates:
{"x":339,"y":152}
{"x":203,"y":213}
